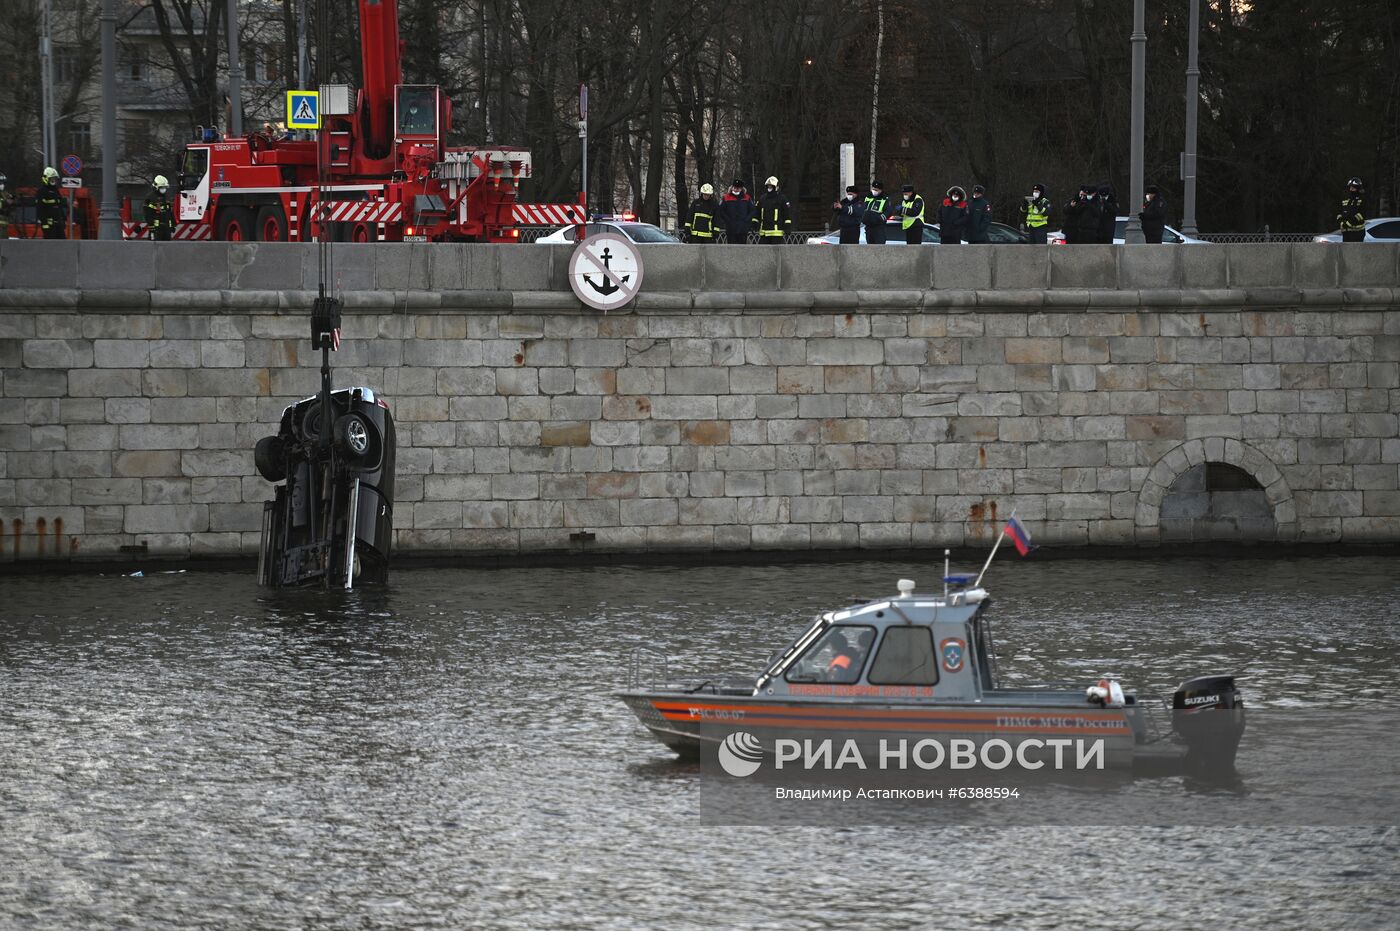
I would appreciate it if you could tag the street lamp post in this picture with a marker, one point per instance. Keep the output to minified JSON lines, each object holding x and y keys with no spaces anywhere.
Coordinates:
{"x":1133,"y":233}
{"x":235,"y":74}
{"x":109,"y":224}
{"x":1193,"y":95}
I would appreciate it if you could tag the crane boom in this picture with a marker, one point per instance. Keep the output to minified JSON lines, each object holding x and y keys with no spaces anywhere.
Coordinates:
{"x":383,"y":71}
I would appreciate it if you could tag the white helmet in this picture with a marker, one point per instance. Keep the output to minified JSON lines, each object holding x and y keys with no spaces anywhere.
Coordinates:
{"x":772,"y":181}
{"x":50,"y":173}
{"x":162,"y":182}
{"x":707,"y":189}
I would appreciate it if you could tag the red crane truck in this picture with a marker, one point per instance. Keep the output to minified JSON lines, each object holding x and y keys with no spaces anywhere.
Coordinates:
{"x":380,"y":173}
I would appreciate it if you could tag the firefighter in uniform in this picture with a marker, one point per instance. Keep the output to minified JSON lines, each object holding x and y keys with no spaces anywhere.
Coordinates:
{"x":877,"y":211}
{"x":1035,"y":214}
{"x":1352,"y":219}
{"x":774,"y":217}
{"x":911,"y":216}
{"x":7,"y":206}
{"x":160,"y":220}
{"x":701,"y":225}
{"x":52,"y":215}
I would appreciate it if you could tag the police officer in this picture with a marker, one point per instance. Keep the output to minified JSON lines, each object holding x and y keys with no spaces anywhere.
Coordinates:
{"x":52,"y":215}
{"x":160,"y":220}
{"x":1082,"y":215}
{"x":1352,"y":219}
{"x":700,"y":228}
{"x":911,"y":216}
{"x":850,"y":211}
{"x":1108,"y":215}
{"x":7,"y":206}
{"x":877,"y":212}
{"x":774,"y":217}
{"x":979,"y":215}
{"x":1153,"y":214}
{"x":736,"y":212}
{"x":1035,"y":214}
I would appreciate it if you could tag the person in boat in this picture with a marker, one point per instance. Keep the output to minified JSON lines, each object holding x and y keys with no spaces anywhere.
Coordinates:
{"x":846,"y":658}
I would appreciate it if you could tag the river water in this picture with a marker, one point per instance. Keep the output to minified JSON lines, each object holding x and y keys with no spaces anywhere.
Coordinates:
{"x":184,"y":750}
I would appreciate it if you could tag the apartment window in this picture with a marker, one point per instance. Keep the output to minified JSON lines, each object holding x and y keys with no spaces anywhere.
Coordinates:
{"x":65,"y":64}
{"x":250,"y":64}
{"x":136,"y":66}
{"x":135,"y":136}
{"x":80,"y":136}
{"x":272,"y":64}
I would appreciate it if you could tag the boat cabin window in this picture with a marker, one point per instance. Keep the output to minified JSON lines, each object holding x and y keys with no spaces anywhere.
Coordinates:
{"x":837,"y":656}
{"x":906,"y":657}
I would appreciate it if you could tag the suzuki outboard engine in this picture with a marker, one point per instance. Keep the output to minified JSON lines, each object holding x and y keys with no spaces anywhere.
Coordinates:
{"x":1208,"y":715}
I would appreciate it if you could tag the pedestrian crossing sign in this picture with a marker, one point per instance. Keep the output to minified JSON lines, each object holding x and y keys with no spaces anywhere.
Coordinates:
{"x":303,"y":110}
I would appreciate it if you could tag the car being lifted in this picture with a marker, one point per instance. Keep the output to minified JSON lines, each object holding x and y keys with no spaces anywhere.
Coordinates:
{"x":331,"y":521}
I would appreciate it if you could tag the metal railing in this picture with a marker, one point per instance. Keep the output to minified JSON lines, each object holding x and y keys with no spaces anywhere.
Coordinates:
{"x":800,"y":237}
{"x":648,"y":667}
{"x":1265,"y":236}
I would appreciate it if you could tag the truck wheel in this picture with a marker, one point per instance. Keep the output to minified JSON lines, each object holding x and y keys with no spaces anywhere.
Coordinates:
{"x":233,"y":224}
{"x":272,"y":225}
{"x":359,"y":232}
{"x":354,"y":437}
{"x":270,"y":458}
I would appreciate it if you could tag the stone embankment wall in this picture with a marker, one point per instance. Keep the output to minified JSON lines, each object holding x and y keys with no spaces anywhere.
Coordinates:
{"x":760,"y":398}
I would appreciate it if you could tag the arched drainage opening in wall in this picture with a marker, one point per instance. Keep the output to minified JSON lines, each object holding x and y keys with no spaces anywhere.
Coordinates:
{"x":1216,"y":501}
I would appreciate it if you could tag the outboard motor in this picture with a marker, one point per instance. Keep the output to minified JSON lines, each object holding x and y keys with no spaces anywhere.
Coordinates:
{"x":1208,"y":715}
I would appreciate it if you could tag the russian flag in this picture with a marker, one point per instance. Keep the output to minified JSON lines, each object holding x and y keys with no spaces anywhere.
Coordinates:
{"x":1019,"y":535}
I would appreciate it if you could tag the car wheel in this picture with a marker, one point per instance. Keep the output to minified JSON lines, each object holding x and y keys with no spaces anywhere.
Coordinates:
{"x":269,"y":455}
{"x":354,"y":437}
{"x":311,"y":422}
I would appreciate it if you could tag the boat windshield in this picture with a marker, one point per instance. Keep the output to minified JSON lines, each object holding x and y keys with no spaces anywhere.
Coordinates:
{"x":837,"y":656}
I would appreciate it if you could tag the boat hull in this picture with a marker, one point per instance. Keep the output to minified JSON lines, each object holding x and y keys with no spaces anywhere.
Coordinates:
{"x":687,"y":723}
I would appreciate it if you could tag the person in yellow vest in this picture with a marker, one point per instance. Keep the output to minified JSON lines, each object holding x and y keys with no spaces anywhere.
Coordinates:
{"x":911,"y":216}
{"x":700,"y":227}
{"x":877,"y":212}
{"x":1035,"y":214}
{"x":52,"y":213}
{"x":774,"y":216}
{"x":1352,"y":219}
{"x":7,"y":206}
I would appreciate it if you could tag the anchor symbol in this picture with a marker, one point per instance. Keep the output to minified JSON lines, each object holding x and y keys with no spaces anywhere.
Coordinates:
{"x":607,"y":287}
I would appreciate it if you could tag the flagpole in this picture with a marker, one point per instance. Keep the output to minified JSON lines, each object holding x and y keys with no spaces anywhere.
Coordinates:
{"x":993,"y":554}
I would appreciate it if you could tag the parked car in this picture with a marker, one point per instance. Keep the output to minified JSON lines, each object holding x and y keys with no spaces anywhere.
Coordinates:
{"x":1169,"y":235}
{"x":331,"y":519}
{"x":997,"y":233}
{"x":644,"y":233}
{"x":1381,"y":229}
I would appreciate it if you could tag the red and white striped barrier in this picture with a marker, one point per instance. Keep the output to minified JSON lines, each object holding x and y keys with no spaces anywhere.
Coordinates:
{"x":188,"y":232}
{"x":363,"y":211}
{"x":546,"y":214}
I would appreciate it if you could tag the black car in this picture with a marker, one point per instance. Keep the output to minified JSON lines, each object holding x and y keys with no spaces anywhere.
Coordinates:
{"x":330,"y":490}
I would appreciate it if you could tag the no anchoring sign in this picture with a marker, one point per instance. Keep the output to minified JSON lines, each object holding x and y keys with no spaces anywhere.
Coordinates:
{"x":605,"y":271}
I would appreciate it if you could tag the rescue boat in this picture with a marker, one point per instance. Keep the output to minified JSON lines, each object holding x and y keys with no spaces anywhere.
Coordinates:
{"x":918,"y":667}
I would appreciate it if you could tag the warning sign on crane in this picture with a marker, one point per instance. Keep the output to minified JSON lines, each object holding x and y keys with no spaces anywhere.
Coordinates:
{"x":303,"y":110}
